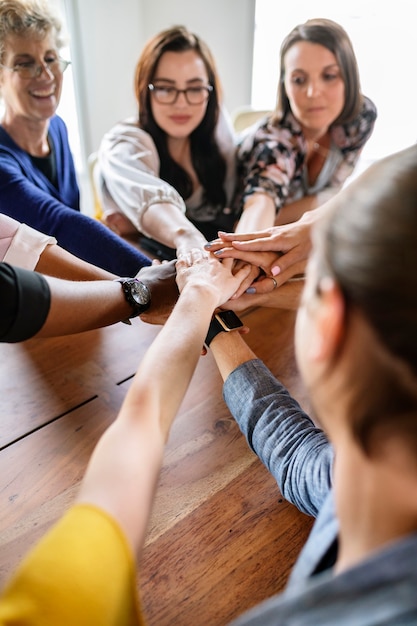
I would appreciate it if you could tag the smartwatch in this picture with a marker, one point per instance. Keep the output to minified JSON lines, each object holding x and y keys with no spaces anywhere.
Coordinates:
{"x":222,"y":322}
{"x":137,"y":294}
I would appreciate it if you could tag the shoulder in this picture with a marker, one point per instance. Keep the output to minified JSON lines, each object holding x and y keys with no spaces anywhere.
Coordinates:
{"x":58,"y":129}
{"x":127,"y":132}
{"x":271,"y":136}
{"x":353,"y":134}
{"x":57,"y":124}
{"x":368,"y":109}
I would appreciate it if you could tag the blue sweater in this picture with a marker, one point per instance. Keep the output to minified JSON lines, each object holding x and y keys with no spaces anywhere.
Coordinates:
{"x":29,"y":197}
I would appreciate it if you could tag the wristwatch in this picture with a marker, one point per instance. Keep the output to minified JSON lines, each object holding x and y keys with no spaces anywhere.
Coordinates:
{"x":222,"y":322}
{"x":137,"y":294}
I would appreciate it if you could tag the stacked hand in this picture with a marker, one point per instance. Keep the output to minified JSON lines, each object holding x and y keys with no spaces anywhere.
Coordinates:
{"x":202,"y":270}
{"x":280,"y":252}
{"x":160,"y":278}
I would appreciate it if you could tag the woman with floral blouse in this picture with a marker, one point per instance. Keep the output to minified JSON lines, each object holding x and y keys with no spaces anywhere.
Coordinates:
{"x":300,"y":156}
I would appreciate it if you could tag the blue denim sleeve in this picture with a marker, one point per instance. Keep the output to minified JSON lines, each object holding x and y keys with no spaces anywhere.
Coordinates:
{"x":294,"y":450}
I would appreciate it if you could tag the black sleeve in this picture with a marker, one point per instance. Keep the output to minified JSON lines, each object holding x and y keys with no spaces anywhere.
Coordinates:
{"x":24,"y":303}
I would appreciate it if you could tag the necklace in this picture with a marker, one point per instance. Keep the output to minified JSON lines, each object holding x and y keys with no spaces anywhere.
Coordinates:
{"x":317,"y":148}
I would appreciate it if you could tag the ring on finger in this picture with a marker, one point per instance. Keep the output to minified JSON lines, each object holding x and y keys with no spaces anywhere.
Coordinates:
{"x":274,"y":281}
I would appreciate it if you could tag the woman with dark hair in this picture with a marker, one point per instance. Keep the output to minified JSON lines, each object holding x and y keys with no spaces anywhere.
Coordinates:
{"x":169,"y":173}
{"x":301,"y":155}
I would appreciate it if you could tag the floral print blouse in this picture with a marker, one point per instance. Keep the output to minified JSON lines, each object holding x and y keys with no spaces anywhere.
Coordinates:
{"x":271,"y":158}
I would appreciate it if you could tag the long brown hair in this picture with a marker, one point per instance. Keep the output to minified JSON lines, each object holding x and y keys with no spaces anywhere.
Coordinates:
{"x":207,"y":160}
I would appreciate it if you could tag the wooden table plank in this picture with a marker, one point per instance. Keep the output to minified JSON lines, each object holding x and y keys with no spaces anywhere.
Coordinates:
{"x":42,"y":379}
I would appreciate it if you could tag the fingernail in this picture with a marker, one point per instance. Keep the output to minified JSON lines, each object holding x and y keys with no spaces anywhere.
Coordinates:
{"x":218,"y":252}
{"x":276,"y":270}
{"x":251,"y":290}
{"x":208,"y":245}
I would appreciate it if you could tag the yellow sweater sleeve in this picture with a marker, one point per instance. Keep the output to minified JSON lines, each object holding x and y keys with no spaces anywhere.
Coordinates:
{"x":82,"y":572}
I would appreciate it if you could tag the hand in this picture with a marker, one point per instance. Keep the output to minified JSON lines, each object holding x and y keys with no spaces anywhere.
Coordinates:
{"x":252,"y":277}
{"x":286,"y":297}
{"x":198,"y":269}
{"x":234,"y":265}
{"x":291,"y":244}
{"x":160,"y":278}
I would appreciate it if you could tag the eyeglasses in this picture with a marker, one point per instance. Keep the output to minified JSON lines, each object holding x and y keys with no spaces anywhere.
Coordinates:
{"x":30,"y":69}
{"x":169,"y":95}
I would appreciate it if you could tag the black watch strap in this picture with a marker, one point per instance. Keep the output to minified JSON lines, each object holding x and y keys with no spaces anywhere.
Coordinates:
{"x":214,"y":329}
{"x":222,"y":322}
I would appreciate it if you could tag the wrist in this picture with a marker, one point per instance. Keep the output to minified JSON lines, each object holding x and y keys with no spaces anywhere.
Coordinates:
{"x":187,"y":238}
{"x":137,"y":295}
{"x":223,"y":322}
{"x":201,"y":295}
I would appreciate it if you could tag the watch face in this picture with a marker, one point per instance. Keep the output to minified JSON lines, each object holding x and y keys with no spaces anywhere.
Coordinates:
{"x":228,"y":320}
{"x":140,"y":293}
{"x":137,"y":294}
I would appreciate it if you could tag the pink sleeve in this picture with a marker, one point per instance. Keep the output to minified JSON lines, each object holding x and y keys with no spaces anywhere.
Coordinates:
{"x":21,"y":245}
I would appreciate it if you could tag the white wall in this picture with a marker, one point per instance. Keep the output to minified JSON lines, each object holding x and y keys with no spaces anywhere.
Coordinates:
{"x":227,"y":26}
{"x":107,"y":37}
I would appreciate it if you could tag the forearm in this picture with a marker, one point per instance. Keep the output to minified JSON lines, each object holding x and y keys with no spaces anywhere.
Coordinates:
{"x":229,"y":351}
{"x":292,"y":212}
{"x":294,"y":450}
{"x":80,"y":306}
{"x":168,"y":225}
{"x":55,"y":261}
{"x":123,"y":472}
{"x":167,"y":367}
{"x":258,"y":213}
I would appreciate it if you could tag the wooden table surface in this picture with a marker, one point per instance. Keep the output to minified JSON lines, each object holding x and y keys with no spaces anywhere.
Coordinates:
{"x":221,"y":537}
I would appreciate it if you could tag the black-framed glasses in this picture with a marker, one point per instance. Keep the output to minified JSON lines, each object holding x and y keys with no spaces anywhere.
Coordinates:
{"x":30,"y":69}
{"x":169,"y":95}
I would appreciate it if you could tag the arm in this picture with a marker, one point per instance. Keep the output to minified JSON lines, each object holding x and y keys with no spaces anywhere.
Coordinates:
{"x":79,"y":234}
{"x":123,"y":471}
{"x":61,"y":307}
{"x":172,"y":228}
{"x":295,"y":210}
{"x":266,"y":167}
{"x":159,"y":278}
{"x":258,"y":213}
{"x":129,"y":182}
{"x":81,"y":306}
{"x":24,"y":247}
{"x":296,"y":452}
{"x":58,"y":307}
{"x":55,"y":261}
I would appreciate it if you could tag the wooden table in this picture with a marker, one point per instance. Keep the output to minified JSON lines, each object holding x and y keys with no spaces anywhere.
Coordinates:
{"x":221,"y":537}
